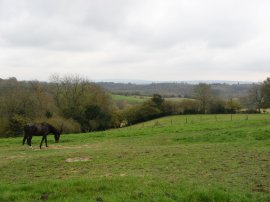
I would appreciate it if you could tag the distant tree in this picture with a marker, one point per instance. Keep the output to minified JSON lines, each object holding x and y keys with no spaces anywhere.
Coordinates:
{"x":83,"y":101}
{"x":150,"y":109}
{"x":255,"y":98}
{"x":203,"y":94}
{"x":217,"y":106}
{"x":265,"y":90}
{"x":157,"y":99}
{"x":43,"y":99}
{"x":232,"y":106}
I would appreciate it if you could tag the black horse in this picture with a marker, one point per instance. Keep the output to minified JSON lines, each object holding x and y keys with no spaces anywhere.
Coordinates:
{"x":40,"y":129}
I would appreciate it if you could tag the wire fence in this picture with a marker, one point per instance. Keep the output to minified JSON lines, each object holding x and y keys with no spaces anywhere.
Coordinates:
{"x":196,"y":119}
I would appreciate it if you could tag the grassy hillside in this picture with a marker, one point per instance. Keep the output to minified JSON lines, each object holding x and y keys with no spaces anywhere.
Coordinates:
{"x":135,"y":99}
{"x":131,"y":99}
{"x":179,"y":158}
{"x":178,"y":99}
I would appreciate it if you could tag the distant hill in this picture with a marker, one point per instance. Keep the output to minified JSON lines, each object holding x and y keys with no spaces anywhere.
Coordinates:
{"x":223,"y":90}
{"x":132,"y":81}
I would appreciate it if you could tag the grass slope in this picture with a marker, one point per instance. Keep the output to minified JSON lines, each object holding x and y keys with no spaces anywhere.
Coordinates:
{"x":130,"y":98}
{"x":179,"y":158}
{"x":133,"y":99}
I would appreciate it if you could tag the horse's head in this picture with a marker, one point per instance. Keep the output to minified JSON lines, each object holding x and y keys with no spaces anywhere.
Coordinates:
{"x":58,"y":133}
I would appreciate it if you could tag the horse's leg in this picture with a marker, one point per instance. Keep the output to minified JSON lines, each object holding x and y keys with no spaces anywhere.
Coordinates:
{"x":43,"y":137}
{"x":46,"y":141}
{"x":24,"y":138}
{"x":29,"y":141}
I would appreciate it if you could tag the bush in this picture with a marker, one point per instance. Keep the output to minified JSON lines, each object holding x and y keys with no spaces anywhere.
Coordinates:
{"x":16,"y":124}
{"x":144,"y":112}
{"x":69,"y":125}
{"x":4,"y":126}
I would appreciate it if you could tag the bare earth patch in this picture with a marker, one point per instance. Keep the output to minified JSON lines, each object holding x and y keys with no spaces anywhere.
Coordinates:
{"x":78,"y":159}
{"x":59,"y":147}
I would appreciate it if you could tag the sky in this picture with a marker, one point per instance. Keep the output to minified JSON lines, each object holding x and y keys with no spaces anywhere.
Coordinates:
{"x":157,"y":40}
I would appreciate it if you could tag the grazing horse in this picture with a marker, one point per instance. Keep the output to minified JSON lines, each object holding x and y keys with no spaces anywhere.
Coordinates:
{"x":40,"y":129}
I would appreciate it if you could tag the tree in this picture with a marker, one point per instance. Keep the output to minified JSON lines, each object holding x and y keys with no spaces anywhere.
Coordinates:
{"x":203,"y":94}
{"x":150,"y":109}
{"x":44,"y":100}
{"x":83,"y":101}
{"x":265,"y":91}
{"x":217,"y":106}
{"x":157,"y":99}
{"x":254,"y":101}
{"x":232,"y":106}
{"x":70,"y":93}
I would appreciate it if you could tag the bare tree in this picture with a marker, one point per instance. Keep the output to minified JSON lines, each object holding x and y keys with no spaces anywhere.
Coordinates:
{"x":265,"y":90}
{"x":203,"y":94}
{"x":255,"y":97}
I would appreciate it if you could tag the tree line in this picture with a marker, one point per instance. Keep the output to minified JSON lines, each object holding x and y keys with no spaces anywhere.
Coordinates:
{"x":83,"y":106}
{"x":75,"y":102}
{"x":174,"y":89}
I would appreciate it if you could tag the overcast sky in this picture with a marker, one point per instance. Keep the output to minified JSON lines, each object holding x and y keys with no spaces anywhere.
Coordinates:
{"x":157,"y":40}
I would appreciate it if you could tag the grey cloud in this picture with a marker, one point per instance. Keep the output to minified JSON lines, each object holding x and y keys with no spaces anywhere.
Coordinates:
{"x":116,"y":38}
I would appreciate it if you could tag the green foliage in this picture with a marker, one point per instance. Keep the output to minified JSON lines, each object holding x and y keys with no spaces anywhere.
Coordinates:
{"x":217,"y":106}
{"x":67,"y":98}
{"x":254,"y":99}
{"x":83,"y":101}
{"x":69,"y":125}
{"x":16,"y":124}
{"x":265,"y":90}
{"x":84,"y":106}
{"x":4,"y":126}
{"x":232,"y":106}
{"x":185,"y":106}
{"x":203,"y":94}
{"x":143,"y":112}
{"x":148,"y":110}
{"x":157,"y":99}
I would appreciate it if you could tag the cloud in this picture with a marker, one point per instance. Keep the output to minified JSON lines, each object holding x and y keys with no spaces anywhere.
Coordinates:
{"x":146,"y":39}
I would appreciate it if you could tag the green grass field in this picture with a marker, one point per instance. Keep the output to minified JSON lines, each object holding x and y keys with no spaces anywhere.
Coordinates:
{"x":134,"y":99}
{"x":131,"y":99}
{"x":178,"y":158}
{"x":178,"y":99}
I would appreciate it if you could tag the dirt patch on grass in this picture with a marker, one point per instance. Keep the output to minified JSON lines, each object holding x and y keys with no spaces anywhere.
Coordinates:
{"x":78,"y":159}
{"x":16,"y":157}
{"x":68,"y":147}
{"x":259,"y":188}
{"x":60,"y":147}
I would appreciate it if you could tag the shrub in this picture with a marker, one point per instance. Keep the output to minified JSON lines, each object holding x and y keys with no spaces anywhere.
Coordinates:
{"x":4,"y":127}
{"x":69,"y":125}
{"x":16,"y":124}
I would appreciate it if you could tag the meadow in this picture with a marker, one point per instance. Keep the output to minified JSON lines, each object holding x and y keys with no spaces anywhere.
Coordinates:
{"x":131,"y":99}
{"x":176,"y":158}
{"x":136,"y":99}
